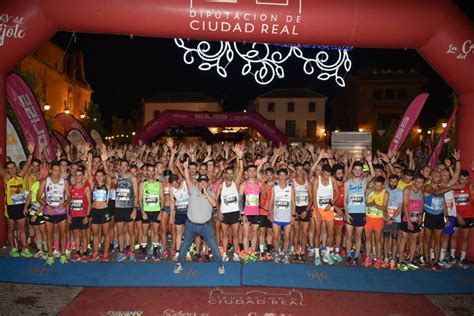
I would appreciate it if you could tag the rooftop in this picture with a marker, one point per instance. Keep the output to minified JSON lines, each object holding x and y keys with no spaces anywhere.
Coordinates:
{"x":291,"y":93}
{"x":180,"y":96}
{"x":389,"y":74}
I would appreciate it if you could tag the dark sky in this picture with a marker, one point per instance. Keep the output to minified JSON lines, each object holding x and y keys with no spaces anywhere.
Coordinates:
{"x":122,"y":71}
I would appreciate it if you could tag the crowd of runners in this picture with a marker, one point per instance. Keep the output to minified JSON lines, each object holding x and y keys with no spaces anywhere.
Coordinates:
{"x":239,"y":202}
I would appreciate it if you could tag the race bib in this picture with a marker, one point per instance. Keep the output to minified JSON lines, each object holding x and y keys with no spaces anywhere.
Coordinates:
{"x":182,"y":207}
{"x":391,"y":211}
{"x":230,"y":199}
{"x":302,"y":198}
{"x":112,"y":195}
{"x":166,"y":190}
{"x":414,"y":217}
{"x":99,"y":195}
{"x":34,"y":208}
{"x":461,"y":199}
{"x":282,"y":204}
{"x":357,"y":200}
{"x":77,"y":205}
{"x":437,"y":203}
{"x":122,"y":194}
{"x":19,"y":198}
{"x":54,"y":201}
{"x":323,"y":201}
{"x":251,"y":200}
{"x":151,"y":200}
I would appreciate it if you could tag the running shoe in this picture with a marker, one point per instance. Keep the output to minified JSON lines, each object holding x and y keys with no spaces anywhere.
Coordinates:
{"x":276,"y":257}
{"x":225,"y":258}
{"x":338,"y":258}
{"x":132,"y":258}
{"x":236,"y":257}
{"x":176,"y":256}
{"x":106,"y":257}
{"x":427,"y":265}
{"x":26,"y":253}
{"x":84,"y":259}
{"x":412,"y":266}
{"x":14,"y":253}
{"x":165,"y":254}
{"x":285,"y":259}
{"x":76,"y":257}
{"x":310,"y":251}
{"x":39,"y":254}
{"x":349,"y":261}
{"x":121,"y":256}
{"x":421,"y":259}
{"x":189,"y":257}
{"x":378,"y":264}
{"x":56,"y":253}
{"x":385,"y":263}
{"x":343,"y":252}
{"x":436,"y":267}
{"x":94,"y":257}
{"x":178,"y":268}
{"x":269,"y":256}
{"x":156,"y":257}
{"x":63,"y":259}
{"x":402,"y":267}
{"x":173,"y":253}
{"x":463,"y":264}
{"x":303,"y":257}
{"x":445,"y":263}
{"x":392,"y":265}
{"x":328,"y":259}
{"x":49,"y":260}
{"x":116,"y":245}
{"x":262,"y":256}
{"x":221,"y":269}
{"x":143,"y":256}
{"x":206,"y":258}
{"x":451,"y":260}
{"x":355,"y":262}
{"x":367,"y":262}
{"x":317,"y":260}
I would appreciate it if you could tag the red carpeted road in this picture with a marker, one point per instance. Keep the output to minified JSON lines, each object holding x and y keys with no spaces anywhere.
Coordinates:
{"x":243,"y":301}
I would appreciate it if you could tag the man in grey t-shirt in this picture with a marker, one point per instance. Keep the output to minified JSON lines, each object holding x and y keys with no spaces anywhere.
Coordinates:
{"x":201,"y":202}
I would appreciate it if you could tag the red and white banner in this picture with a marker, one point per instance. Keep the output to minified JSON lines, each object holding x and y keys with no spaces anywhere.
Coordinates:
{"x":28,"y":112}
{"x":407,"y":122}
{"x":437,"y":151}
{"x":63,"y":142}
{"x":69,"y":122}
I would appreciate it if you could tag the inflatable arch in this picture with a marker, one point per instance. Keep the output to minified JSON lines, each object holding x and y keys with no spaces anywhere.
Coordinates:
{"x":207,"y":119}
{"x":437,"y":29}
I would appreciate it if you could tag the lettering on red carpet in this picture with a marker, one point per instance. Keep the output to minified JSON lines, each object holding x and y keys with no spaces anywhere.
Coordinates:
{"x":228,"y":297}
{"x":189,"y":274}
{"x":319,"y":276}
{"x":124,"y":313}
{"x":172,"y":312}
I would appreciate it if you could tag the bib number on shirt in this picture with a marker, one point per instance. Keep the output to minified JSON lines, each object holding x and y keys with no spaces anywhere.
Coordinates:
{"x":151,"y":200}
{"x":123,"y":194}
{"x":230,"y":199}
{"x":357,"y":200}
{"x":77,"y":205}
{"x":251,"y":200}
{"x":461,"y":199}
{"x":99,"y":195}
{"x":19,"y":198}
{"x":282,"y":204}
{"x":54,"y":201}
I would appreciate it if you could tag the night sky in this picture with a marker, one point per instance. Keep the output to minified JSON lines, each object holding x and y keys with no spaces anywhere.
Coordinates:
{"x":122,"y":71}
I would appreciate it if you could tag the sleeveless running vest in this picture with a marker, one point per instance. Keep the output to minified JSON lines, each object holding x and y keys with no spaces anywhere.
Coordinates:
{"x":55,"y":194}
{"x":229,"y":198}
{"x":251,"y":198}
{"x":378,"y":198}
{"x":79,"y":204}
{"x":434,"y":204}
{"x":124,"y":193}
{"x":282,"y":204}
{"x":463,"y":200}
{"x":450,"y":204}
{"x":324,"y":194}
{"x":414,"y":206}
{"x":356,"y":197}
{"x":265,"y":201}
{"x":395,"y":199}
{"x":151,"y":196}
{"x":301,"y":194}
{"x":181,"y":197}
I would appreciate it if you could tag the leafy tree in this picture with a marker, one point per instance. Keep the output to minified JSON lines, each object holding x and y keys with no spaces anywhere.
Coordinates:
{"x":93,"y":119}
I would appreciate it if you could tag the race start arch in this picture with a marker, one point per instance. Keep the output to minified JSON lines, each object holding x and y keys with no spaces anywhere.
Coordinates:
{"x":437,"y":29}
{"x":170,"y":118}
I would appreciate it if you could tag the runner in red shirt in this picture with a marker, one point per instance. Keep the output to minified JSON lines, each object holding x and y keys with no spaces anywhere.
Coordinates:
{"x":465,"y":213}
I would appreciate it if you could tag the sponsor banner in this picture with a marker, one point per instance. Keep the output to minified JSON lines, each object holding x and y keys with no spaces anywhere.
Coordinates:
{"x":96,"y":137}
{"x":61,"y":139}
{"x":28,"y":112}
{"x":407,"y":122}
{"x":55,"y":142}
{"x":75,"y":137}
{"x":437,"y":151}
{"x":68,"y":122}
{"x":14,"y":147}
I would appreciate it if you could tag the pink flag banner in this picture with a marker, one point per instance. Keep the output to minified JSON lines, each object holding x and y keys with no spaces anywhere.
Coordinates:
{"x":437,"y":151}
{"x":61,"y":139}
{"x":96,"y":137}
{"x":28,"y":112}
{"x":407,"y":122}
{"x":69,"y":122}
{"x":76,"y":137}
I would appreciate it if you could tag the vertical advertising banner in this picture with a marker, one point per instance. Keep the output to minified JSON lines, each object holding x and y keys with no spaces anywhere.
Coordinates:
{"x":407,"y":122}
{"x":28,"y":112}
{"x":14,"y":147}
{"x":76,"y":137}
{"x":96,"y":137}
{"x":69,"y":122}
{"x":437,"y":151}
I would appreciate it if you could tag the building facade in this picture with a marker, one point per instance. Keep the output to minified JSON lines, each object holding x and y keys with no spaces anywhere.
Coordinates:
{"x":299,"y":113}
{"x":374,"y":98}
{"x":184,"y":101}
{"x":60,"y":80}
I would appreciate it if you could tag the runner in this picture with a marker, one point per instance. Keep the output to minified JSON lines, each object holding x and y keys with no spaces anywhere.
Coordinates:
{"x":151,"y":200}
{"x":303,"y":202}
{"x":392,"y":221}
{"x":54,"y":196}
{"x":265,"y":230}
{"x":376,"y":211}
{"x":229,"y":211}
{"x":465,"y":213}
{"x":78,"y":216}
{"x":339,"y":175}
{"x":324,"y":188}
{"x":16,"y":193}
{"x":100,"y":215}
{"x":282,"y":214}
{"x":179,"y":201}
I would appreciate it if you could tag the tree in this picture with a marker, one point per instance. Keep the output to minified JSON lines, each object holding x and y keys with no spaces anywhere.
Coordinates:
{"x":93,"y":119}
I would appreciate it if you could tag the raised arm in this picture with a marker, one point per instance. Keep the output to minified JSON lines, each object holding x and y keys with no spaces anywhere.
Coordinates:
{"x":31,"y":150}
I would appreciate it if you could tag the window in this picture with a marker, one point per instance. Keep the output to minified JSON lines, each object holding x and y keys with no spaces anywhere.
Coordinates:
{"x":312,"y":107}
{"x":377,"y":94}
{"x":311,"y":128}
{"x":389,"y":94}
{"x":271,"y":107}
{"x":384,"y":120}
{"x":156,"y":113}
{"x":290,"y":128}
{"x":402,"y":94}
{"x":291,"y":106}
{"x":272,"y":122}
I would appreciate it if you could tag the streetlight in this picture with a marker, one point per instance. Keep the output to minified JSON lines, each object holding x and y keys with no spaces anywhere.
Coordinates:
{"x":46,"y":107}
{"x":429,"y":132}
{"x":133,"y":133}
{"x":66,"y":111}
{"x":83,"y":116}
{"x":361,"y":130}
{"x":444,"y":125}
{"x":419,"y":130}
{"x":336,"y":131}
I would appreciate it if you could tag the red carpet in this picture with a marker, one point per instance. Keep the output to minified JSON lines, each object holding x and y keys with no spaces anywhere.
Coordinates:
{"x":243,"y":301}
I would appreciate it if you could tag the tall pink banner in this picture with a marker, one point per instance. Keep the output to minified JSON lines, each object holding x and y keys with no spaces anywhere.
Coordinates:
{"x":437,"y":151}
{"x":407,"y":122}
{"x":69,"y":122}
{"x":28,"y":112}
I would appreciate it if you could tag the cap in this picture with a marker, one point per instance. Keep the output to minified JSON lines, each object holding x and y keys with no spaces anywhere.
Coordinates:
{"x":202,"y":177}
